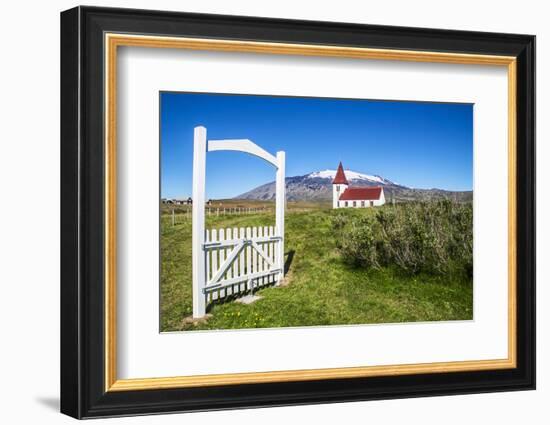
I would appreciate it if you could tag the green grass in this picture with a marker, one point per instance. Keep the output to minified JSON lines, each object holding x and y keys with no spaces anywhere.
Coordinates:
{"x":322,"y":289}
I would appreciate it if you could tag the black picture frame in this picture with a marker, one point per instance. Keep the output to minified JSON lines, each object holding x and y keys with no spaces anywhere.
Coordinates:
{"x":83,"y":392}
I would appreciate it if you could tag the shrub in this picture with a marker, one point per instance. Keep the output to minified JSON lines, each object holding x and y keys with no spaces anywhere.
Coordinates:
{"x":432,"y":237}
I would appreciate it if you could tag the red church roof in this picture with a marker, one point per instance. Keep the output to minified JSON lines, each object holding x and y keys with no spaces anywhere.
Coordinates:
{"x":361,"y":194}
{"x":340,"y":177}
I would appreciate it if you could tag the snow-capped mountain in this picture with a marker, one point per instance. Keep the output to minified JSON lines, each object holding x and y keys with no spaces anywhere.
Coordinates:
{"x":351,"y":175}
{"x":317,"y":186}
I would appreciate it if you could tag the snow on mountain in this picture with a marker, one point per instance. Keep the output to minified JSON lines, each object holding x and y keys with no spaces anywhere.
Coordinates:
{"x":351,"y":175}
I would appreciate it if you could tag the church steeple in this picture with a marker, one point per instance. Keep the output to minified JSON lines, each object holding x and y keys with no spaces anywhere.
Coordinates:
{"x":340,"y":177}
{"x":339,"y":186}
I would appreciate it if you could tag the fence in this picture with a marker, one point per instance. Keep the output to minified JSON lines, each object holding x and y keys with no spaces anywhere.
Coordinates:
{"x":240,"y":260}
{"x":185,"y":216}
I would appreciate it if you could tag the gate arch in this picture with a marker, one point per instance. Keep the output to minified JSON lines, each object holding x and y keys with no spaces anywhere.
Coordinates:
{"x":206,"y":278}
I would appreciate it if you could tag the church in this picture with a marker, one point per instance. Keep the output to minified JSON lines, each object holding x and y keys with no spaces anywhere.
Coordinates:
{"x":344,"y":196}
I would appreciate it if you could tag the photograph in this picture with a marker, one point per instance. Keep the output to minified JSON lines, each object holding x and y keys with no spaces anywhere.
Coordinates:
{"x":281,"y":212}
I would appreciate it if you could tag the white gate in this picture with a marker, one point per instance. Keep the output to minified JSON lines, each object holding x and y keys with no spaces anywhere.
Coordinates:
{"x":240,"y":259}
{"x":229,"y":261}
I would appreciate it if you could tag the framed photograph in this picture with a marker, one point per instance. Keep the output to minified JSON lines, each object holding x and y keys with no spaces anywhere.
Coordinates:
{"x":261,"y":212}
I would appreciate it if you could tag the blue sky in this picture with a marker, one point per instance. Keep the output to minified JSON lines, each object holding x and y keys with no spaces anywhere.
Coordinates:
{"x":417,"y":144}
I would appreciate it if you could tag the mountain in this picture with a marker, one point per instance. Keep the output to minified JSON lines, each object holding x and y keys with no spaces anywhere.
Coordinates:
{"x":317,"y":186}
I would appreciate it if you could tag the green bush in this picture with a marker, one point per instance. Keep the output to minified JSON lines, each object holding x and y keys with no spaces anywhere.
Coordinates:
{"x":432,"y":237}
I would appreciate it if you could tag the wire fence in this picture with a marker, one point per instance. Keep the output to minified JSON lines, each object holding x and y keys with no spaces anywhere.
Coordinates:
{"x":185,"y":216}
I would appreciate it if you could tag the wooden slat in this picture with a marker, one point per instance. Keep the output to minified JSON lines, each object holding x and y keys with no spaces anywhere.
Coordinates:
{"x":242,"y":258}
{"x":207,"y":257}
{"x":222,"y":257}
{"x":248,"y":255}
{"x":229,"y":282}
{"x":266,"y":250}
{"x":214,"y":262}
{"x":229,"y":235}
{"x":271,"y":250}
{"x":261,"y":255}
{"x":277,"y":251}
{"x":254,"y":253}
{"x":229,"y":274}
{"x":260,"y":262}
{"x":230,"y":242}
{"x":236,"y":262}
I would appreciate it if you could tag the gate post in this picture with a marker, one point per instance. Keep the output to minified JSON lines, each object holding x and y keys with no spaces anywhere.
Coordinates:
{"x":280,"y":212}
{"x":199,"y":177}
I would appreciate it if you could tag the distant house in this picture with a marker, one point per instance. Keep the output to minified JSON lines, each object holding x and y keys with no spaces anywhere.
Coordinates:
{"x":174,"y":201}
{"x":189,"y":201}
{"x":209,"y":202}
{"x":344,"y":196}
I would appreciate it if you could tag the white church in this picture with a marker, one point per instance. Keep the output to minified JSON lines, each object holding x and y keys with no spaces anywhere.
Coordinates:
{"x":344,"y":196}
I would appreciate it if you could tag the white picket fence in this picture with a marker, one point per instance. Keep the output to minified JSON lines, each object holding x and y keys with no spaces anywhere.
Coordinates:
{"x":240,"y":260}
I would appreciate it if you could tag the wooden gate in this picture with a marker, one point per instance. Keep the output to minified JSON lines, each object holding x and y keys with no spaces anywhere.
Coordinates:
{"x":240,"y":259}
{"x":230,"y":261}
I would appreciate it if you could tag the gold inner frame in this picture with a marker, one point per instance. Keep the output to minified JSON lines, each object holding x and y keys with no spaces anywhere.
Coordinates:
{"x":113,"y":41}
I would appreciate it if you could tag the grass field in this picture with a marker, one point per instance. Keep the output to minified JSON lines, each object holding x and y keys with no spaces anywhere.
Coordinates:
{"x":322,"y":289}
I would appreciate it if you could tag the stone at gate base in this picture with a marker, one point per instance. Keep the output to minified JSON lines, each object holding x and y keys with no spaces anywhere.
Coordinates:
{"x":192,"y":321}
{"x":248,"y":299}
